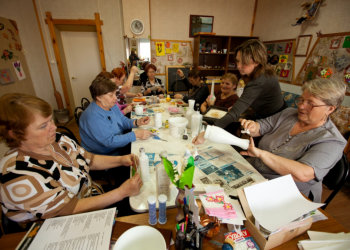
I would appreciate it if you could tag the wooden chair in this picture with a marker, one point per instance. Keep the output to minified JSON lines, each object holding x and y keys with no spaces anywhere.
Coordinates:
{"x":66,"y":131}
{"x":336,"y":178}
{"x":84,"y":103}
{"x":77,"y":113}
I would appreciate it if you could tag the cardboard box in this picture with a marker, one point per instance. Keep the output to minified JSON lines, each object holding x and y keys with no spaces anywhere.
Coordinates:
{"x":287,"y":233}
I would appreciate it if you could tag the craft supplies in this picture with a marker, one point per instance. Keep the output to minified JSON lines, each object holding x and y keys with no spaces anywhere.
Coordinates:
{"x":219,"y":135}
{"x":152,"y":211}
{"x":139,"y":109}
{"x":177,"y":126}
{"x":162,"y":208}
{"x":240,"y":240}
{"x":196,"y":123}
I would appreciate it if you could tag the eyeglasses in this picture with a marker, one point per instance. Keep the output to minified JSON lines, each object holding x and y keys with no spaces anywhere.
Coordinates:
{"x":308,"y":104}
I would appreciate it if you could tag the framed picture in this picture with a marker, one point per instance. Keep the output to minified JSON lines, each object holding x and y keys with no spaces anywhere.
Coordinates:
{"x":303,"y":45}
{"x":335,"y":43}
{"x":201,"y":24}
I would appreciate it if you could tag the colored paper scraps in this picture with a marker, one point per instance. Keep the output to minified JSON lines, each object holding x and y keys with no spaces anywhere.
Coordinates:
{"x":160,"y":49}
{"x":283,"y":59}
{"x":218,"y":204}
{"x":175,"y":47}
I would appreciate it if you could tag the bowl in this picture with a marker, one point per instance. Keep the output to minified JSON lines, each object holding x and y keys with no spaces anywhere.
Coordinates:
{"x":141,"y":237}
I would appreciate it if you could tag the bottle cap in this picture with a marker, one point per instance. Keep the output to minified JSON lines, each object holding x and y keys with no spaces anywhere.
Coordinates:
{"x":142,"y":150}
{"x":162,"y":198}
{"x":151,"y":199}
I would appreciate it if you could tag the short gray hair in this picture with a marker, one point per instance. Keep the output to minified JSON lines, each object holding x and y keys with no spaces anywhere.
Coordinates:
{"x":331,"y":91}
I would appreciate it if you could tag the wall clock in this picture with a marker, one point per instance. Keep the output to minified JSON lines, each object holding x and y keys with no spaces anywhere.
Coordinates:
{"x":137,"y":27}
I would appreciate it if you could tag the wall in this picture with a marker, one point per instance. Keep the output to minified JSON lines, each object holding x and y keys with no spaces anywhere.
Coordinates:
{"x":22,"y":11}
{"x":170,"y":19}
{"x":273,"y":22}
{"x":136,"y":9}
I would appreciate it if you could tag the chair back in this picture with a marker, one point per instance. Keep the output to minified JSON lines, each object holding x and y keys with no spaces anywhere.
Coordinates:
{"x":336,"y":178}
{"x":77,"y":113}
{"x":66,"y":131}
{"x":84,"y":103}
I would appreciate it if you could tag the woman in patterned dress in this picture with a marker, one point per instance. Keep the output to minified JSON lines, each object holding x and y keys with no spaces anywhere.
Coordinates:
{"x":46,"y":174}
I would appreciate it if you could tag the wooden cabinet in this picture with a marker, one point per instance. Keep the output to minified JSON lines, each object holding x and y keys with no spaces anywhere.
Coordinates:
{"x":213,"y":55}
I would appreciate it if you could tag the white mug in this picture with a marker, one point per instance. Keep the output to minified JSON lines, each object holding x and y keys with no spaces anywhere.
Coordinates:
{"x":139,"y":110}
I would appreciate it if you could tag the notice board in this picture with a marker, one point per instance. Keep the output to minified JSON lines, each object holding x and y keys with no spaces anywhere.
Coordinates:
{"x":170,"y":53}
{"x":329,"y":58}
{"x":280,"y":55}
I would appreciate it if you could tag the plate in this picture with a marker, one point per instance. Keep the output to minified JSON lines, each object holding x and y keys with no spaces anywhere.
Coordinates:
{"x":141,"y":237}
{"x":215,"y":113}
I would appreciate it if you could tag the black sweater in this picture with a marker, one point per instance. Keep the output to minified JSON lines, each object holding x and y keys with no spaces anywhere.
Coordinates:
{"x":263,"y":95}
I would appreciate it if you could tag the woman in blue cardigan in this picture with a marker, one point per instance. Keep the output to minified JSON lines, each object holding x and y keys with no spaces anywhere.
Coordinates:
{"x":103,"y":128}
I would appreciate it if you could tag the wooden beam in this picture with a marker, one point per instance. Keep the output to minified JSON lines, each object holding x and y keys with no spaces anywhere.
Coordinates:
{"x":58,"y":59}
{"x":98,"y":24}
{"x":254,"y":14}
{"x":89,"y":22}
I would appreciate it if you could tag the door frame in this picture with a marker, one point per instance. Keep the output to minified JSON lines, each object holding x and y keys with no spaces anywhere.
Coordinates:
{"x":56,"y":26}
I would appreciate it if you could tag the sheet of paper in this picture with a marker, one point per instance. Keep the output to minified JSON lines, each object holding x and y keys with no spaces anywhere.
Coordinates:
{"x":277,"y":202}
{"x":80,"y":231}
{"x":328,"y":236}
{"x":325,"y":244}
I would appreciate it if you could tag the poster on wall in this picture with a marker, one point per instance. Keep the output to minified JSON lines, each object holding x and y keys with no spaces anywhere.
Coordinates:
{"x":6,"y":76}
{"x":329,"y":58}
{"x":169,"y":53}
{"x":19,"y":70}
{"x":280,"y":55}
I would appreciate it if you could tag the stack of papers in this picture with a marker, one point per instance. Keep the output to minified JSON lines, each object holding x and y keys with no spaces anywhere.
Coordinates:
{"x":321,"y":240}
{"x":277,"y":202}
{"x":90,"y":230}
{"x":218,"y":204}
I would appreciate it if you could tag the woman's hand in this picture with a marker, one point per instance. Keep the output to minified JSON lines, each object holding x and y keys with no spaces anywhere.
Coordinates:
{"x":199,"y":139}
{"x":252,"y":150}
{"x":143,"y":121}
{"x":210,"y":100}
{"x":159,"y":89}
{"x":178,"y":96}
{"x":180,"y":73}
{"x":129,"y":160}
{"x":132,"y":186}
{"x":127,"y":109}
{"x":134,"y":70}
{"x":142,"y":134}
{"x":147,"y":91}
{"x":139,"y":95}
{"x":252,"y":126}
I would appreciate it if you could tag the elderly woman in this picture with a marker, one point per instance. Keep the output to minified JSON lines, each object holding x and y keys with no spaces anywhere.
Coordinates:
{"x":302,"y":142}
{"x":199,"y":91}
{"x":152,"y":85}
{"x":102,"y":125}
{"x":226,"y":96}
{"x":46,"y":174}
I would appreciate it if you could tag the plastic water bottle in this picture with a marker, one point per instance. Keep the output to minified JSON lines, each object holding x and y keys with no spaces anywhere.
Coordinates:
{"x":196,"y":123}
{"x":144,"y":165}
{"x":190,"y":112}
{"x":162,"y":180}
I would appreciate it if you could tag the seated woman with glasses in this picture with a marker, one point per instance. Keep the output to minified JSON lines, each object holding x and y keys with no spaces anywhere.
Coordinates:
{"x":226,"y":96}
{"x":152,"y":85}
{"x":303,"y":142}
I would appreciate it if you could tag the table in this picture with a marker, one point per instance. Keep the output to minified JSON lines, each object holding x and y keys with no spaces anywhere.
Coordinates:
{"x":10,"y":241}
{"x":213,"y":157}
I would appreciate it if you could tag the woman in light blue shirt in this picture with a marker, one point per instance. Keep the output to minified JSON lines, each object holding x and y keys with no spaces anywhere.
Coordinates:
{"x":102,"y":126}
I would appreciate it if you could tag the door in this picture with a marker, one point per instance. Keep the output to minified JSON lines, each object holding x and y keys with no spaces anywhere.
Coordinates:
{"x":83,"y":61}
